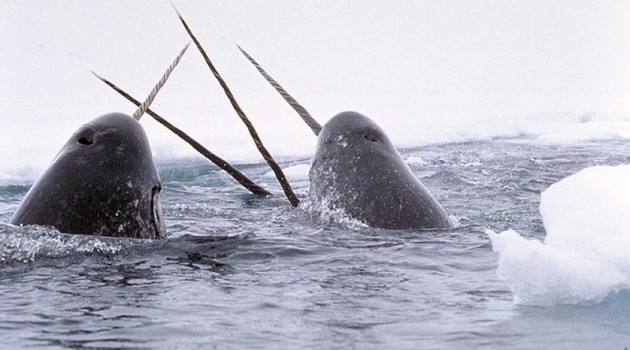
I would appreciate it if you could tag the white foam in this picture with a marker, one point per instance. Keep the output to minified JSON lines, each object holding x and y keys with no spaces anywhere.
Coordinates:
{"x":294,"y":172}
{"x":323,"y":212}
{"x":415,"y":160}
{"x":584,"y":256}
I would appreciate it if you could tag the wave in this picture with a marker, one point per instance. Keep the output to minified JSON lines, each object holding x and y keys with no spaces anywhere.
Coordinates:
{"x":27,"y":244}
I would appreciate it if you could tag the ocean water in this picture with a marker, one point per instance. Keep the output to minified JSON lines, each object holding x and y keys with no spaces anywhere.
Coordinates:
{"x":242,"y":272}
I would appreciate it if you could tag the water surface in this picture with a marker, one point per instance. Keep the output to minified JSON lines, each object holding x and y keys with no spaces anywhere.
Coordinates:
{"x":243,"y":272}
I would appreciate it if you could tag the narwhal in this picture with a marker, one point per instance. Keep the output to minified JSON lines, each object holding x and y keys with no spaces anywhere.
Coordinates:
{"x":357,"y":169}
{"x":103,"y":181}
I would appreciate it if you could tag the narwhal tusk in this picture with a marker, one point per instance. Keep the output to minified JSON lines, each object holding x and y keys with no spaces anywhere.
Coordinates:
{"x":306,"y":116}
{"x":284,"y":183}
{"x":235,"y":173}
{"x":147,"y":102}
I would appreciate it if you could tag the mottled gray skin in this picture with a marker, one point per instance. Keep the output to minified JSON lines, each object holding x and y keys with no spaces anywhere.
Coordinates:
{"x":102,"y":182}
{"x":357,"y":169}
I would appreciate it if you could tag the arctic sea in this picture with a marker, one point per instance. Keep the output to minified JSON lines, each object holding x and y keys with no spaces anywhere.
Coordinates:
{"x":243,"y":272}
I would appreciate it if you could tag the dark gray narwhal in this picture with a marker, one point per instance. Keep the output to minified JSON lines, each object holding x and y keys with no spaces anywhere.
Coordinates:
{"x":102,"y":182}
{"x":357,"y":169}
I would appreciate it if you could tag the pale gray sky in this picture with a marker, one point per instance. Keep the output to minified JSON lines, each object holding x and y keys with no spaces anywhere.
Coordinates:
{"x":406,"y":64}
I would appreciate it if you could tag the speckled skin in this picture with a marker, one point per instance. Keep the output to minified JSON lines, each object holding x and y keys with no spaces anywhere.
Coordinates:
{"x":357,"y":169}
{"x":102,"y":182}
